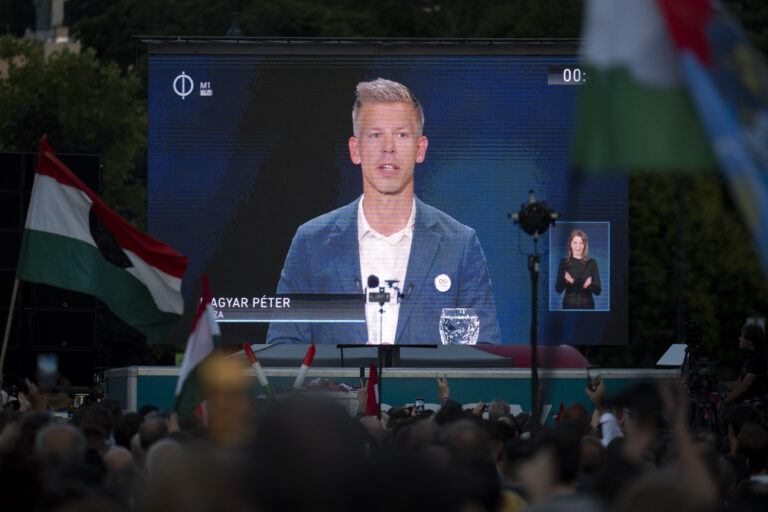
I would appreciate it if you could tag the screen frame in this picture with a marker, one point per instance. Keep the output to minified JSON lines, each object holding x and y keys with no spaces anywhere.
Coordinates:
{"x":366,"y":47}
{"x":183,"y":45}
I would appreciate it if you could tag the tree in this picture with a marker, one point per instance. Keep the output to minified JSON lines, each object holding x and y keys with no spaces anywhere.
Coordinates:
{"x":753,"y":15}
{"x":110,"y":26}
{"x":723,"y":282}
{"x":84,"y":107}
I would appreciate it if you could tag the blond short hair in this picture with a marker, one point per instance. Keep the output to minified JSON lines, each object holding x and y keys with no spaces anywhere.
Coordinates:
{"x":382,"y":90}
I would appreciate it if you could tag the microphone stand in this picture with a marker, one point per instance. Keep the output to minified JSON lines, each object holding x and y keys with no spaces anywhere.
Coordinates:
{"x":382,"y":295}
{"x":387,"y":355}
{"x":381,"y":349}
{"x":534,"y":218}
{"x":533,"y":268}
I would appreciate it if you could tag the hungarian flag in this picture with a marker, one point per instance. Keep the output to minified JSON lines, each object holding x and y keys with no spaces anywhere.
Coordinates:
{"x":72,"y":240}
{"x":203,"y":340}
{"x":634,"y":112}
{"x":728,"y":81}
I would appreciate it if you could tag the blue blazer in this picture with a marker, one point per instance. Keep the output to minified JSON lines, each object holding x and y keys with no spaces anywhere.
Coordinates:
{"x":325,"y":258}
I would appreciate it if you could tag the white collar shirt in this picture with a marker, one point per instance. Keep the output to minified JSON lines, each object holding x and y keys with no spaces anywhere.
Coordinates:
{"x":385,"y":257}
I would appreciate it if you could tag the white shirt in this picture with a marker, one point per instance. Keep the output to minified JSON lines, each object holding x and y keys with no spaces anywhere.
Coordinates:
{"x":386,"y":257}
{"x":609,"y":426}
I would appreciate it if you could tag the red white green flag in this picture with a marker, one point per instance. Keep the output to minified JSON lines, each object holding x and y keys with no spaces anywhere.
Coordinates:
{"x":203,"y":340}
{"x":72,"y":240}
{"x":634,"y":110}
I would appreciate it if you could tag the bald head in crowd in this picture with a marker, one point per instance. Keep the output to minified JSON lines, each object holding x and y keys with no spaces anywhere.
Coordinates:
{"x":60,"y":443}
{"x":497,"y":409}
{"x":152,"y":430}
{"x":163,"y":455}
{"x":117,"y":458}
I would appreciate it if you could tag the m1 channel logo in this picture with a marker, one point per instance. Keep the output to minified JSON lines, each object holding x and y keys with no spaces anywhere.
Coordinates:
{"x":184,"y":85}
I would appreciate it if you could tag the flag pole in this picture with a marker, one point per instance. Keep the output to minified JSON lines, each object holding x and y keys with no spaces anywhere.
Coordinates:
{"x":8,"y":323}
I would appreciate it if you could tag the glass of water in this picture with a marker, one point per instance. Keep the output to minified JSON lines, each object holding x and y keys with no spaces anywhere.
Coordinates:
{"x":459,"y":326}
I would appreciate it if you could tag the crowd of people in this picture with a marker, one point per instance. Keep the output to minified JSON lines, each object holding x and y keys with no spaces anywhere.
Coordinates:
{"x":305,"y":453}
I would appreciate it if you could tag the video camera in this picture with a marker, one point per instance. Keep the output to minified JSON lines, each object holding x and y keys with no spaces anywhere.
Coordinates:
{"x":700,"y":368}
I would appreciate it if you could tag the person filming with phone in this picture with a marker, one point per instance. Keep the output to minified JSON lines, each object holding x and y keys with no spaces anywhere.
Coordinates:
{"x":608,"y":424}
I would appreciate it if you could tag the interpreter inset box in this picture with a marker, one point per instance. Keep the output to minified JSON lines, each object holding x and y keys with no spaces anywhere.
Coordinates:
{"x":579,"y":266}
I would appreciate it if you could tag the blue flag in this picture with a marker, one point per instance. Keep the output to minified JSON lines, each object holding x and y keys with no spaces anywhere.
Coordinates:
{"x":728,"y":81}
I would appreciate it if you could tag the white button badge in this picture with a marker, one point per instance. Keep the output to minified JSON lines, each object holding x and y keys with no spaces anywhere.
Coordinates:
{"x":443,"y":283}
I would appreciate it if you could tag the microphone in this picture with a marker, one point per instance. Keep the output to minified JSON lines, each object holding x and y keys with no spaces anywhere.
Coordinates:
{"x":404,"y":296}
{"x":381,"y":296}
{"x":392,"y":283}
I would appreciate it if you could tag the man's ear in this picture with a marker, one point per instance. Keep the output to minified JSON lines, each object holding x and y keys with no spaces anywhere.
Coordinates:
{"x":421,"y":151}
{"x":354,"y":150}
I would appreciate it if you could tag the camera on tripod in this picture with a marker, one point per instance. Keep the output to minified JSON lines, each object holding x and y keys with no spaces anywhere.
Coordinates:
{"x":701,"y":369}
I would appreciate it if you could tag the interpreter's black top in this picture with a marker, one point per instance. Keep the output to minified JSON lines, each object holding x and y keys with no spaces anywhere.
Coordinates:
{"x":576,"y":296}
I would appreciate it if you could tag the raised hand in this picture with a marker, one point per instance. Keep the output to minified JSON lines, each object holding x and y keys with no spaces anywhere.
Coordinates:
{"x":443,"y":390}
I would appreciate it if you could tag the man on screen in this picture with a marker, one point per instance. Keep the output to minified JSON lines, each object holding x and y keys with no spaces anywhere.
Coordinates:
{"x":388,"y":233}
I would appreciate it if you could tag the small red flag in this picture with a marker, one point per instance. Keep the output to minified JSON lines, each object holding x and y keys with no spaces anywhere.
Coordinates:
{"x":372,"y":400}
{"x":559,"y":413}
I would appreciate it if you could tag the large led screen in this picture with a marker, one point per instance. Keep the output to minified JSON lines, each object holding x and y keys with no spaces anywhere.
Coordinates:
{"x":247,"y":142}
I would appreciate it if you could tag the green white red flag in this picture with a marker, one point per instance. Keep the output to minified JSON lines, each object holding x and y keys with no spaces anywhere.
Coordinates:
{"x":634,"y":111}
{"x":676,"y":85}
{"x":203,"y":341}
{"x":72,"y":240}
{"x":257,"y":368}
{"x":302,"y":374}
